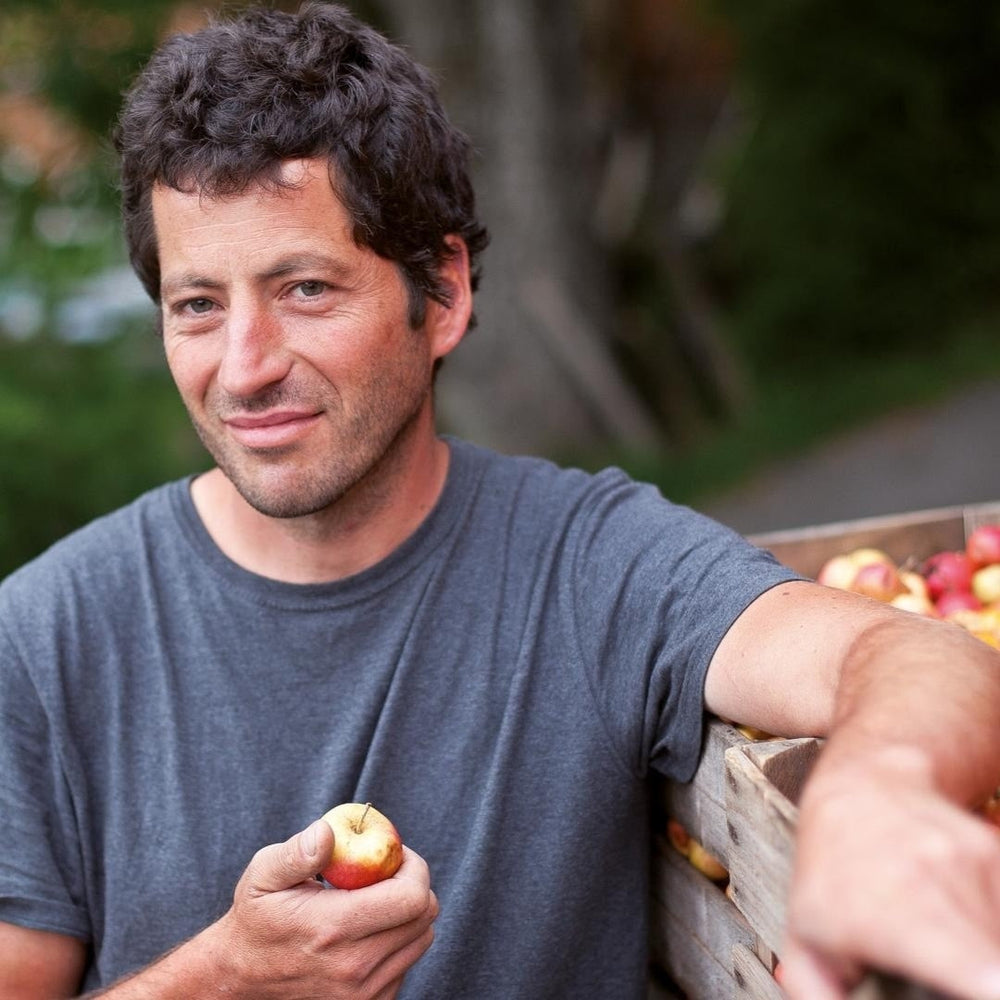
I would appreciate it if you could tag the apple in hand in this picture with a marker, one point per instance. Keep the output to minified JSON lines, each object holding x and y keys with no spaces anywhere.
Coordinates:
{"x":366,"y":849}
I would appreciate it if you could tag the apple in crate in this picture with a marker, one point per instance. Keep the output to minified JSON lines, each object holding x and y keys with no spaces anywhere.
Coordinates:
{"x":986,"y":583}
{"x":842,"y":571}
{"x":983,"y":545}
{"x":679,"y":839}
{"x":952,"y":602}
{"x":366,"y":848}
{"x":706,"y":862}
{"x":947,"y":571}
{"x":879,"y":580}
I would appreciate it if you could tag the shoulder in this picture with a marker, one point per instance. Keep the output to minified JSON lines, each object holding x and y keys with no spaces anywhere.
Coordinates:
{"x":540,"y":483}
{"x":100,"y":556}
{"x":594,"y":503}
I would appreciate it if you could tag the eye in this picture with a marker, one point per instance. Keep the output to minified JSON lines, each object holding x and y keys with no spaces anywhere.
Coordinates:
{"x":311,"y":289}
{"x":198,"y":306}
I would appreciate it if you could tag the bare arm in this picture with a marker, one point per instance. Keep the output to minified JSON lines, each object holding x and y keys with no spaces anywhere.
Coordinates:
{"x":39,"y":965}
{"x":285,"y":936}
{"x":892,"y":870}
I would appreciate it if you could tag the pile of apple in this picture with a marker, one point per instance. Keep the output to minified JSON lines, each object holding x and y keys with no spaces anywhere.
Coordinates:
{"x":961,"y":585}
{"x":695,"y":852}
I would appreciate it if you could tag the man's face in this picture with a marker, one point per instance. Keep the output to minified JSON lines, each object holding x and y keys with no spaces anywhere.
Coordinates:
{"x":288,"y":342}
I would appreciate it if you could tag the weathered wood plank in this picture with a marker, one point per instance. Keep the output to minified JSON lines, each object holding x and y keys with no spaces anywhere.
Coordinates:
{"x":909,"y":536}
{"x":700,"y":907}
{"x":752,"y":980}
{"x":700,"y":804}
{"x":761,"y":821}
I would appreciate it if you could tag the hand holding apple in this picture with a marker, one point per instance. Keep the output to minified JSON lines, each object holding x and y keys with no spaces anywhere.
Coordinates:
{"x":367,"y":848}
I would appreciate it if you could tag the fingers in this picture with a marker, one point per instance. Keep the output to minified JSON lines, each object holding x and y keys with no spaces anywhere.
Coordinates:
{"x":298,"y":859}
{"x":393,"y":903}
{"x":380,"y":960}
{"x":930,"y":916}
{"x":806,"y":977}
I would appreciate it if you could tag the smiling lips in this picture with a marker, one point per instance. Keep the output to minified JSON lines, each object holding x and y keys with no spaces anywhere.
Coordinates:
{"x":270,"y":430}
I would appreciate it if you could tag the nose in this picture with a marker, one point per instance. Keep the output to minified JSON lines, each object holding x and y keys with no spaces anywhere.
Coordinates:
{"x":255,"y":355}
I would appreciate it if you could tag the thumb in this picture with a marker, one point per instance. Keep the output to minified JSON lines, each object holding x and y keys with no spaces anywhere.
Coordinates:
{"x":298,"y":859}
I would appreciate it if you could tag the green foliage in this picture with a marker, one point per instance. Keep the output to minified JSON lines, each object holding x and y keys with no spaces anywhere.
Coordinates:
{"x":83,"y":429}
{"x":864,"y":213}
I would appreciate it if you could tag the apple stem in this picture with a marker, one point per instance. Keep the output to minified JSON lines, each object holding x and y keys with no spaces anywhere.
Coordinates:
{"x":360,"y":825}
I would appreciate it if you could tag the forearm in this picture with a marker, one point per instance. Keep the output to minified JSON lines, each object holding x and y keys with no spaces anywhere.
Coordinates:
{"x":921,"y":699}
{"x":200,"y":967}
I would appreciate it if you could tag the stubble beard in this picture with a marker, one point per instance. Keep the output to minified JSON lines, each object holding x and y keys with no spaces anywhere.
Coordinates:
{"x":360,"y":464}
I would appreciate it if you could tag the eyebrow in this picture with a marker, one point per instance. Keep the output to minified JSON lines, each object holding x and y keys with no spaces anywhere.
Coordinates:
{"x":282,"y":268}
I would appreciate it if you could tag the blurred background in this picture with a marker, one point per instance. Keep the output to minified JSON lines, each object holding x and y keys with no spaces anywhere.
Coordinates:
{"x":747,"y":250}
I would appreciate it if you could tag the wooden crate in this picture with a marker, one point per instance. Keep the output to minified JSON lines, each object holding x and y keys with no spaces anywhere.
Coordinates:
{"x":741,"y":804}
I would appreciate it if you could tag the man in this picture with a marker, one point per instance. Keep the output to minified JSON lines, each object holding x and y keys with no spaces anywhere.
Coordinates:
{"x":350,"y":607}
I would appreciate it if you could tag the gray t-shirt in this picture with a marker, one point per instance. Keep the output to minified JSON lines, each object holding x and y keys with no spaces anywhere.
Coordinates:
{"x":498,"y":686}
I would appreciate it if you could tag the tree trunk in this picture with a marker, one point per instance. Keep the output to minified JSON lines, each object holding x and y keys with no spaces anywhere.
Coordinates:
{"x":537,"y":373}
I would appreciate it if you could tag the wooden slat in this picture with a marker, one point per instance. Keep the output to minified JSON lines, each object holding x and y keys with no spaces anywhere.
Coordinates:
{"x":906,"y":537}
{"x":694,"y":928}
{"x":700,"y":904}
{"x":761,"y":821}
{"x":700,"y":805}
{"x":753,"y":980}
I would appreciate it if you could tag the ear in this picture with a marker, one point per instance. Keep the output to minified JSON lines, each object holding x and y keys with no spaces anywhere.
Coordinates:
{"x":446,"y":325}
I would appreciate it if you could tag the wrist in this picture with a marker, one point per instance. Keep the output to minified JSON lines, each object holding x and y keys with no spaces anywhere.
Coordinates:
{"x":202,"y":965}
{"x":882,"y":767}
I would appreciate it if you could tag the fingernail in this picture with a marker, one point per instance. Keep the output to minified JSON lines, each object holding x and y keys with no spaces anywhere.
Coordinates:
{"x":309,"y":840}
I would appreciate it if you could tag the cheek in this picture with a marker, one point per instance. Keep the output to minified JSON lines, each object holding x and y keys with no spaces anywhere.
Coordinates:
{"x":191,"y":371}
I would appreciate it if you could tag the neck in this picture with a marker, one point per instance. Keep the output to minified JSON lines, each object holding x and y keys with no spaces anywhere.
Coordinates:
{"x":361,"y":528}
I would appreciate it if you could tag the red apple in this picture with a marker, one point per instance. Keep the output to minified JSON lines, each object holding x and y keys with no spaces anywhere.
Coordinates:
{"x":678,"y":837}
{"x":946,"y":571}
{"x":366,"y":849}
{"x":952,"y":601}
{"x":983,"y":545}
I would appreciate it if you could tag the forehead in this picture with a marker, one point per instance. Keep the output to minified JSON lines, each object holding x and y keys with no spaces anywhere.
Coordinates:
{"x":304,"y":209}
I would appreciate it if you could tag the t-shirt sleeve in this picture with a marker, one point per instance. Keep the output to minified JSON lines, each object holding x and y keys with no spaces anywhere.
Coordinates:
{"x":36,"y":827}
{"x":656,"y":587}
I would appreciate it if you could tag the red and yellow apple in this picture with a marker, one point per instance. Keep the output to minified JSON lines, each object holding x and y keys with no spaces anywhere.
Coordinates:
{"x":871,"y":569}
{"x":879,"y":580}
{"x":367,"y":847}
{"x":962,"y":585}
{"x":706,"y":862}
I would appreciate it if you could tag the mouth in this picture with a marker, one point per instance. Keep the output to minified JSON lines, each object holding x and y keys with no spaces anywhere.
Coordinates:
{"x":276,"y":429}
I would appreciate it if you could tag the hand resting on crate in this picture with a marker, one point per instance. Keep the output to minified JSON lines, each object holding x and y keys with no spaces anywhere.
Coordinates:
{"x":893,"y":870}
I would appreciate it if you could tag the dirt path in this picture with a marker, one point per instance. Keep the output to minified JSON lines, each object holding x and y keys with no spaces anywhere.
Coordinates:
{"x":935,"y":456}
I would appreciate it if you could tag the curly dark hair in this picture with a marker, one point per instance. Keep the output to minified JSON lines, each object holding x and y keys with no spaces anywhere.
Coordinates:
{"x":220,"y":110}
